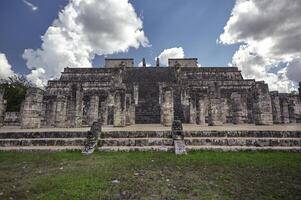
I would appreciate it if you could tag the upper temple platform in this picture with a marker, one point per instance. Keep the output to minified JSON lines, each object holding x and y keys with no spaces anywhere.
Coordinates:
{"x":187,"y":68}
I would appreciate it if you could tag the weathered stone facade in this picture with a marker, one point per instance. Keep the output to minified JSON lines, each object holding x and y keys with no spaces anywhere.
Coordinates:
{"x":120,"y":94}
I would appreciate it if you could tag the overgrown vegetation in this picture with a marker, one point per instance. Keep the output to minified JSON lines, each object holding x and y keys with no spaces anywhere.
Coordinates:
{"x":15,"y":89}
{"x":199,"y":175}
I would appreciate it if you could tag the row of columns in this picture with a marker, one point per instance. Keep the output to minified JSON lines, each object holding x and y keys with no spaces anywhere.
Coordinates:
{"x":218,"y":107}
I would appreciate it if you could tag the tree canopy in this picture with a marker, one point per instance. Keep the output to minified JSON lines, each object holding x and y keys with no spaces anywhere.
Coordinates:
{"x":15,"y":89}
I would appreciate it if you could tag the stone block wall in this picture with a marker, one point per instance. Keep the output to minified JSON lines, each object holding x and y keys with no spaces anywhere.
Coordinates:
{"x":183,"y":62}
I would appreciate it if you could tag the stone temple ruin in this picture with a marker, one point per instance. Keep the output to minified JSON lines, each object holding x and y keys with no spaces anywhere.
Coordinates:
{"x":120,"y":94}
{"x":183,"y":97}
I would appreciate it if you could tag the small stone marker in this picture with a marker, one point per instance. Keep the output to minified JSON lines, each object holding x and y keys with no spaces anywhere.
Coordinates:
{"x":178,"y":137}
{"x":92,"y":138}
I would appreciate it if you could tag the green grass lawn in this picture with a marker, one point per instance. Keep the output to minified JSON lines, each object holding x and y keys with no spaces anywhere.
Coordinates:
{"x":198,"y":175}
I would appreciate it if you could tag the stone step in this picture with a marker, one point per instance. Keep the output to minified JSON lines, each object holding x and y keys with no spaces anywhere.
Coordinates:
{"x":42,"y":142}
{"x":242,"y":141}
{"x":241,"y":148}
{"x":40,"y":148}
{"x":136,"y":142}
{"x":198,"y":148}
{"x":230,"y":134}
{"x":46,"y":134}
{"x":202,"y":141}
{"x":135,"y":148}
{"x":252,"y":133}
{"x":136,"y":134}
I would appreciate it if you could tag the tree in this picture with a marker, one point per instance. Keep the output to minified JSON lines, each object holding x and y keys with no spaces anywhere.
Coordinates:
{"x":15,"y":89}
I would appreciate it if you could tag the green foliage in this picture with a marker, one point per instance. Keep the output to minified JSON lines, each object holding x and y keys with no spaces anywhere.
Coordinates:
{"x":15,"y":89}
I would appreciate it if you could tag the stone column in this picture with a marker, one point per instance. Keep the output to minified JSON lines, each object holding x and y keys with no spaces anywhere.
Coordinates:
{"x":237,"y":108}
{"x":130,"y":110}
{"x":262,"y":104}
{"x":2,"y":107}
{"x":78,"y":117}
{"x":178,"y":137}
{"x":215,"y":117}
{"x":136,"y":93}
{"x":192,"y":110}
{"x":31,"y":109}
{"x":284,"y":110}
{"x":93,"y":110}
{"x":119,"y":109}
{"x":104,"y":112}
{"x":185,"y":105}
{"x":61,"y":111}
{"x":203,"y":102}
{"x":276,"y":107}
{"x":167,"y":111}
{"x":292,"y":109}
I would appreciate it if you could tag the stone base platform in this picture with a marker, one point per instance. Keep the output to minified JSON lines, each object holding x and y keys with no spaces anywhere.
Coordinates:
{"x":153,"y":137}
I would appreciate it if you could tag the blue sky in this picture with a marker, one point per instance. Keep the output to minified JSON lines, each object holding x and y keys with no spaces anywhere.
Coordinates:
{"x":194,"y":25}
{"x":39,"y":38}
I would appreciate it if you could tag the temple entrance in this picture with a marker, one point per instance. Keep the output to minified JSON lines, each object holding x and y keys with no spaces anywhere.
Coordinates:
{"x":148,"y":108}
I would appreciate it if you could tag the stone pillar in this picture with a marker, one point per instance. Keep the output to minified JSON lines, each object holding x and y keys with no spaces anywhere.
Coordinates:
{"x":185,"y":105}
{"x":215,"y":117}
{"x":262,"y":104}
{"x":61,"y":111}
{"x":167,"y":110}
{"x":192,"y":111}
{"x":284,"y":110}
{"x":50,"y":111}
{"x":104,"y":112}
{"x":32,"y":108}
{"x":2,"y":107}
{"x":93,"y":110}
{"x":203,"y":102}
{"x":178,"y":137}
{"x":276,"y":107}
{"x":292,"y":109}
{"x":237,"y":108}
{"x":130,"y":110}
{"x":136,"y":93}
{"x":119,"y":109}
{"x":78,"y":117}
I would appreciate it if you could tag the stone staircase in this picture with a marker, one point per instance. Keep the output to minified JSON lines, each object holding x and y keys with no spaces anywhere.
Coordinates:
{"x":202,"y":140}
{"x":243,"y":140}
{"x":136,"y":141}
{"x":153,"y":140}
{"x":47,"y":141}
{"x":147,"y":113}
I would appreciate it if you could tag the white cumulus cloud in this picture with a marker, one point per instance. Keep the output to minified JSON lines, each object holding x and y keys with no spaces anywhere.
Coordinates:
{"x":176,"y":52}
{"x":269,"y":34}
{"x":5,"y":67}
{"x":83,"y":29}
